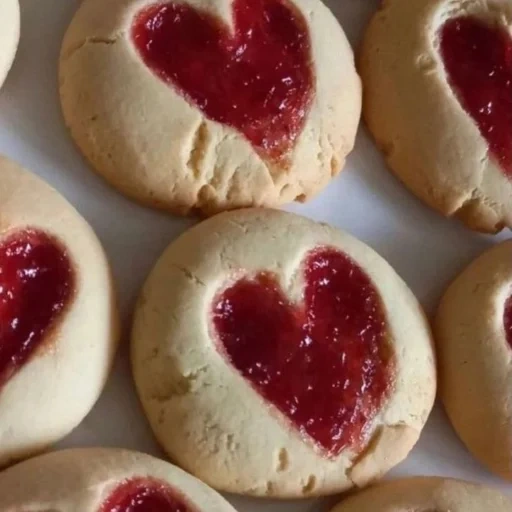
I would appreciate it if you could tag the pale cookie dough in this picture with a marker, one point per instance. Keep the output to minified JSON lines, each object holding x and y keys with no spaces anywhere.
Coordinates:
{"x":9,"y":35}
{"x":85,"y":479}
{"x":52,"y":392}
{"x":475,"y":359}
{"x":205,"y":414}
{"x":156,"y":147}
{"x":429,"y":141}
{"x":426,"y":494}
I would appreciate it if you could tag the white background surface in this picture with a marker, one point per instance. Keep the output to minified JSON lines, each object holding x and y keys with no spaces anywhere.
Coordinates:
{"x":426,"y":250}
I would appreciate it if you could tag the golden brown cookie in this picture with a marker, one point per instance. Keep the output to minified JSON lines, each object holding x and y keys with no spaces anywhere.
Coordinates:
{"x":438,"y":89}
{"x":275,"y":356}
{"x":426,"y":494}
{"x":104,"y":480}
{"x":58,"y":317}
{"x":259,"y":107}
{"x":474,"y":339}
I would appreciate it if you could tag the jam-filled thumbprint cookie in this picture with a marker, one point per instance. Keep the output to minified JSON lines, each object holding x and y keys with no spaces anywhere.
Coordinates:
{"x":104,"y":480}
{"x":213,"y":104}
{"x":438,"y":100}
{"x":58,"y":319}
{"x":275,"y":356}
{"x":9,"y":35}
{"x":426,"y":494}
{"x":474,"y":339}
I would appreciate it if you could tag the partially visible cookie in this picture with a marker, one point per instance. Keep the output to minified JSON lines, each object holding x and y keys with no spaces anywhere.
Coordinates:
{"x":104,"y":480}
{"x":426,"y":494}
{"x":259,"y":108}
{"x":9,"y":35}
{"x":438,"y":100}
{"x":473,"y":331}
{"x":58,"y":315}
{"x":276,"y":356}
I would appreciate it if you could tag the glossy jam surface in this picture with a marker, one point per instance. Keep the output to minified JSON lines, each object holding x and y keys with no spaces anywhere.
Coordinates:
{"x":507,"y":320}
{"x":325,"y":363}
{"x":478,"y":61}
{"x":145,"y":495}
{"x":36,"y":284}
{"x":256,"y":78}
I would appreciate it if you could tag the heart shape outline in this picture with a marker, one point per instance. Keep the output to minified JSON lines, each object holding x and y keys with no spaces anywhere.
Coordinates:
{"x":250,"y":57}
{"x":296,"y":321}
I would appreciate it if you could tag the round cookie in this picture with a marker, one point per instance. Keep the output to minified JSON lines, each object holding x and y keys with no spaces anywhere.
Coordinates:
{"x":438,"y":84}
{"x":9,"y":35}
{"x":104,"y":480}
{"x":275,"y":356}
{"x":58,"y":319}
{"x":426,"y":494}
{"x":259,"y":108}
{"x":473,"y":332}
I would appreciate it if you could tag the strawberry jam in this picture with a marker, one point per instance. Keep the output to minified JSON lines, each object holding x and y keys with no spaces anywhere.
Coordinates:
{"x":145,"y":495}
{"x":256,"y":77}
{"x":478,"y":61}
{"x":36,"y":284}
{"x":507,"y":320}
{"x":325,"y":363}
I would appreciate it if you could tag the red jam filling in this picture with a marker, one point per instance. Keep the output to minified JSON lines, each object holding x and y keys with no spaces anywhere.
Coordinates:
{"x":256,"y":77}
{"x":478,"y":61}
{"x":145,"y":495}
{"x":325,"y":363}
{"x":507,"y":320}
{"x":36,"y":283}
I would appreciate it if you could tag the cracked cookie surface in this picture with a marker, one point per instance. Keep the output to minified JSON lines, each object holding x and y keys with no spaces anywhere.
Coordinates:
{"x":239,"y":278}
{"x":154,"y":134}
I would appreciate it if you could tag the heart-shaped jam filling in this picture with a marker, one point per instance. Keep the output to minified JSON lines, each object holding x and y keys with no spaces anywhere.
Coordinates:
{"x":326,"y":363}
{"x":36,"y":284}
{"x":507,"y":320}
{"x":478,"y":61}
{"x":145,"y":495}
{"x":256,"y":78}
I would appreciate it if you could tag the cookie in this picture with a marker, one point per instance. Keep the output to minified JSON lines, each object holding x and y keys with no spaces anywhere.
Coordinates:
{"x":426,"y":494}
{"x":58,"y":320}
{"x":275,"y":356}
{"x":259,"y":108}
{"x":474,"y":337}
{"x":9,"y":35}
{"x":438,"y":101}
{"x":104,"y":480}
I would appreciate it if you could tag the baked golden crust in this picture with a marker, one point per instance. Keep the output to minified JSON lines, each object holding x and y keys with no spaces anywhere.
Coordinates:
{"x":429,"y":141}
{"x":475,"y":358}
{"x":429,"y":494}
{"x":58,"y":386}
{"x":203,"y":412}
{"x":157,"y":148}
{"x":81,"y":479}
